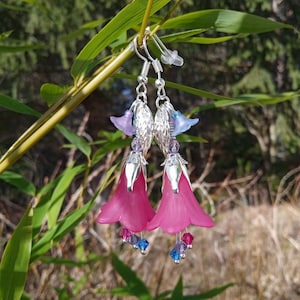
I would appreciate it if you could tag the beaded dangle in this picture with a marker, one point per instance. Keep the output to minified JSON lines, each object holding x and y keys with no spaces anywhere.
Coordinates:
{"x":178,"y":206}
{"x":129,"y":204}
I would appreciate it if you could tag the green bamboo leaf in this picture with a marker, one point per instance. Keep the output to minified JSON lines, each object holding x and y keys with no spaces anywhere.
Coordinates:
{"x":266,"y":99}
{"x":79,"y":142}
{"x":18,"y":181}
{"x":14,"y":105}
{"x":186,"y":138}
{"x":52,"y":92}
{"x":221,"y":20}
{"x":19,"y":48}
{"x":135,"y":286}
{"x":15,"y":260}
{"x":127,"y":18}
{"x":208,"y":41}
{"x":210,"y":294}
{"x":249,"y":99}
{"x":60,"y":229}
{"x":178,"y":86}
{"x":223,"y":101}
{"x":59,"y":193}
{"x":189,"y":37}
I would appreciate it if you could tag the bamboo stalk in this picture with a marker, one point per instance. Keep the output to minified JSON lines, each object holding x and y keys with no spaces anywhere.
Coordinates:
{"x":59,"y":111}
{"x":145,"y":22}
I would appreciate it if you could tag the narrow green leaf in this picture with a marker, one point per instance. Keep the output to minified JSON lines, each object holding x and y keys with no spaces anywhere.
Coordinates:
{"x":249,"y":99}
{"x":223,"y":101}
{"x":52,"y":92}
{"x":208,"y":41}
{"x":41,"y":208}
{"x":120,"y":291}
{"x":20,"y":48}
{"x":14,"y":7}
{"x":186,"y":138}
{"x":177,"y":86}
{"x":18,"y":181}
{"x":59,"y":193}
{"x":210,"y":294}
{"x":221,"y":20}
{"x":5,"y":34}
{"x":80,"y":253}
{"x":17,"y":106}
{"x":79,"y":142}
{"x":178,"y":290}
{"x":61,"y":228}
{"x":189,"y":37}
{"x":15,"y":260}
{"x":25,"y":296}
{"x":135,"y":285}
{"x":127,"y":18}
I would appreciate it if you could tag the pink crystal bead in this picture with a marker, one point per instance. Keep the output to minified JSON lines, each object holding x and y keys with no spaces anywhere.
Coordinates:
{"x":187,"y":238}
{"x":125,"y":234}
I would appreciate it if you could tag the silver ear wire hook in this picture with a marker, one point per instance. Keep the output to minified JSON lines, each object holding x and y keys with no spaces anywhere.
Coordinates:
{"x":146,"y":66}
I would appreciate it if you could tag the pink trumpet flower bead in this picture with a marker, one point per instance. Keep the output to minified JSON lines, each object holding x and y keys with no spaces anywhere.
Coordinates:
{"x":178,"y":210}
{"x":131,"y":208}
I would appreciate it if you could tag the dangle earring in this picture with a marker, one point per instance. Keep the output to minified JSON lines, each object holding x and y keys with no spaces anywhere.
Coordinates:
{"x":129,"y":204}
{"x":178,"y":206}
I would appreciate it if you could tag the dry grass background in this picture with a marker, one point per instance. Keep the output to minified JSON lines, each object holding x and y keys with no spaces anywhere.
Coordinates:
{"x":255,"y":247}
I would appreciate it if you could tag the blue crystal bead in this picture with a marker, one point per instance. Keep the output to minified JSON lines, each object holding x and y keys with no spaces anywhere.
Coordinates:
{"x":142,"y":244}
{"x":175,"y":255}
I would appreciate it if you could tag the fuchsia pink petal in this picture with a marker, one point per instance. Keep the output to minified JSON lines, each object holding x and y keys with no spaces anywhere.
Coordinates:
{"x":178,"y":210}
{"x":131,"y":209}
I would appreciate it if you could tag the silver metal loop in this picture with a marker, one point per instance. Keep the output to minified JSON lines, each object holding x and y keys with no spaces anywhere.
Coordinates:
{"x":164,"y":99}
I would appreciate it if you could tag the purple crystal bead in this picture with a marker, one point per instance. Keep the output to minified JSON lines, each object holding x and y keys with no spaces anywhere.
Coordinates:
{"x":181,"y":248}
{"x":136,"y":145}
{"x":125,"y":234}
{"x":175,"y":255}
{"x":174,"y":146}
{"x":142,"y":244}
{"x":133,"y":239}
{"x":187,"y":238}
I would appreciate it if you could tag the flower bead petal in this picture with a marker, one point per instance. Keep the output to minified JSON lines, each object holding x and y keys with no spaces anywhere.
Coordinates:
{"x":131,"y":208}
{"x":178,"y":210}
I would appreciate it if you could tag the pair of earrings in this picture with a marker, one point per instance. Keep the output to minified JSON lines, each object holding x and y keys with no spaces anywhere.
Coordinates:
{"x":129,"y":204}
